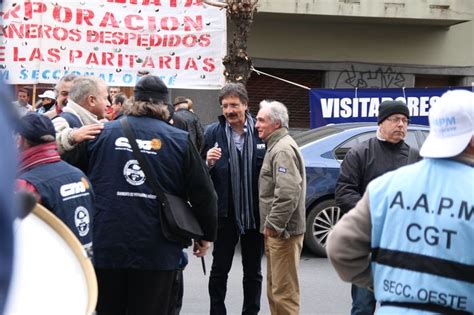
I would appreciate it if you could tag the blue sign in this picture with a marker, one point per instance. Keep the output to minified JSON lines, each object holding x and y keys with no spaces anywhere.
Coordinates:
{"x":332,"y":106}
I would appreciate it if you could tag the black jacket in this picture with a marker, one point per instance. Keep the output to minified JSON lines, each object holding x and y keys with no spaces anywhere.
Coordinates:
{"x":364,"y":162}
{"x":127,"y":231}
{"x":188,"y":121}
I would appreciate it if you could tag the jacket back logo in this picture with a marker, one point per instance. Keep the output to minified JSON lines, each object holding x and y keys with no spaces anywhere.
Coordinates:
{"x":82,"y":220}
{"x":122,"y":143}
{"x":72,"y":189}
{"x":133,"y":173}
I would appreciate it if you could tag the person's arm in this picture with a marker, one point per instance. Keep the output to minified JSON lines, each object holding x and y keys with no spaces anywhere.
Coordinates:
{"x":348,"y":184}
{"x":63,"y":134}
{"x":288,"y":187}
{"x":67,"y":138}
{"x":348,"y":246}
{"x":207,"y":143}
{"x":199,"y":135}
{"x":200,"y":192}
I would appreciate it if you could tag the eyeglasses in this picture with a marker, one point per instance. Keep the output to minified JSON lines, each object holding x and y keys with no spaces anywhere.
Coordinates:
{"x":397,"y":120}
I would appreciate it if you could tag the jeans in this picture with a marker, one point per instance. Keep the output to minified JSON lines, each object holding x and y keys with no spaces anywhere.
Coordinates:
{"x":363,"y":301}
{"x":223,"y":253}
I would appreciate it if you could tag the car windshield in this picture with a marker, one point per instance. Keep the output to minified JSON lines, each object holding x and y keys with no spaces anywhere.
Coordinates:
{"x":314,"y":134}
{"x":321,"y":132}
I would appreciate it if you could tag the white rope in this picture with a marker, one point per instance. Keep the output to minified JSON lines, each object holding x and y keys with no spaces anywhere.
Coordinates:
{"x":272,"y":76}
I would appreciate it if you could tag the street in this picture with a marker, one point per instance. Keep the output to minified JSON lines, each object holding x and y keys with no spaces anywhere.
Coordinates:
{"x":322,"y":292}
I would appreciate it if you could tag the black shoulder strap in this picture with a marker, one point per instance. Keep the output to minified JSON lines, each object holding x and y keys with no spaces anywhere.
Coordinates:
{"x":141,"y":160}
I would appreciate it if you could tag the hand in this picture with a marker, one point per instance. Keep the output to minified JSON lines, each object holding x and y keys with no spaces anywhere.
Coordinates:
{"x":200,"y":248}
{"x":213,"y":155}
{"x":88,"y":132}
{"x":267,"y":232}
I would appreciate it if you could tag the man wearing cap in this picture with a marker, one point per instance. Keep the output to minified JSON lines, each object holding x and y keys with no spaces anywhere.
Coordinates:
{"x":367,"y":160}
{"x":186,"y":120}
{"x":411,"y":234}
{"x":48,"y":101}
{"x":136,"y":265}
{"x":60,"y":187}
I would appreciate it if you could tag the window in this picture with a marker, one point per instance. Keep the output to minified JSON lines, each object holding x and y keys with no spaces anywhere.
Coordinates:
{"x":342,"y":150}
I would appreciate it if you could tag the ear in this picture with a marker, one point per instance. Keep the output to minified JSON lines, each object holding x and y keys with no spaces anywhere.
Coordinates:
{"x":90,"y":101}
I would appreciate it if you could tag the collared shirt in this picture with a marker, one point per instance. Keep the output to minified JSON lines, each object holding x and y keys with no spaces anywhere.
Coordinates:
{"x":239,"y":139}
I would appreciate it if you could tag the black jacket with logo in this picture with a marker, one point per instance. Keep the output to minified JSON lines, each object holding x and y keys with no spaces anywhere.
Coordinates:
{"x":127,"y":225}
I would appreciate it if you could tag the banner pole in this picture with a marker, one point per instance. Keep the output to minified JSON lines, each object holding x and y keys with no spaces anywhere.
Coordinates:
{"x":33,"y":97}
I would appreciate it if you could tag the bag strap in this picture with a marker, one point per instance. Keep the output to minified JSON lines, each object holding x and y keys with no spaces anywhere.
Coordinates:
{"x":141,"y":160}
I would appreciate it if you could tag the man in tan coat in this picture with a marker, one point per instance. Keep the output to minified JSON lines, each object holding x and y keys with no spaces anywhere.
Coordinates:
{"x":282,"y":189}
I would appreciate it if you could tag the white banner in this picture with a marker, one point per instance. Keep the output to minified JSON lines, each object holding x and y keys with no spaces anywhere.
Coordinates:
{"x":182,"y":41}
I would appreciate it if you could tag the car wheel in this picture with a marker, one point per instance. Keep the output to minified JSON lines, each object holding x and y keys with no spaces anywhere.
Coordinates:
{"x":319,"y":222}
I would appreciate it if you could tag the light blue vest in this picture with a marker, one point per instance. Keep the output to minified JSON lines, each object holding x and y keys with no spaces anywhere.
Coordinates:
{"x":423,"y":236}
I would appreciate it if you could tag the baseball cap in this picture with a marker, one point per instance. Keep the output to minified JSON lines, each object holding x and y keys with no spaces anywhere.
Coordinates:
{"x":34,"y":127}
{"x":451,"y":125}
{"x":48,"y":94}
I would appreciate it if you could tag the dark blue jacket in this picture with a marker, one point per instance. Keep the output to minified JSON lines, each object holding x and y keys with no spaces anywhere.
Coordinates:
{"x":220,"y":172}
{"x":127,"y":226}
{"x":67,"y":193}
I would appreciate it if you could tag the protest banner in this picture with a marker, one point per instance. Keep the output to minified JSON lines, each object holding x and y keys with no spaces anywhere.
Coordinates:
{"x":332,"y":106}
{"x":182,"y":41}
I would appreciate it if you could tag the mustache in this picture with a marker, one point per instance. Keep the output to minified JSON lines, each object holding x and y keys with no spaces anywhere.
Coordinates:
{"x":231,"y":115}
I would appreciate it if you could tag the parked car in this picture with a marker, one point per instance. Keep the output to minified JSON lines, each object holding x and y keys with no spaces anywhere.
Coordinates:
{"x":323,"y":150}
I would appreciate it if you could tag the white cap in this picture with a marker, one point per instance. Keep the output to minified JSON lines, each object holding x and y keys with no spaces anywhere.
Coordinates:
{"x":48,"y":94}
{"x":451,"y":125}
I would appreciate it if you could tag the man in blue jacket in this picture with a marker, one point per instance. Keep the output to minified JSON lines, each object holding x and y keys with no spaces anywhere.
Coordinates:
{"x":234,"y":157}
{"x":136,"y":265}
{"x":59,"y":186}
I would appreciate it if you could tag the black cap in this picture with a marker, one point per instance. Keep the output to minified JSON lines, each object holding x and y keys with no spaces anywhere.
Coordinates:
{"x":389,"y":108}
{"x":151,"y":88}
{"x":34,"y":127}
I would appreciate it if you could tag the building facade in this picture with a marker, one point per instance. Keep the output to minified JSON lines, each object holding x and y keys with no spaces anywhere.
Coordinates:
{"x":353,"y":44}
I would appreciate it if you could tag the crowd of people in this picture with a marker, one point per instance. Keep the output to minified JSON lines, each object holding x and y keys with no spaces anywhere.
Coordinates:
{"x":403,"y":241}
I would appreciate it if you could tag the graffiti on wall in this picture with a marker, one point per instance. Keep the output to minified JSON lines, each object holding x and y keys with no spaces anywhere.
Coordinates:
{"x":383,"y":77}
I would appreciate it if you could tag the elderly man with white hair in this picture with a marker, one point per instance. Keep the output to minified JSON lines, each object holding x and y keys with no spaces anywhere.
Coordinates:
{"x":411,"y":234}
{"x":282,"y":189}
